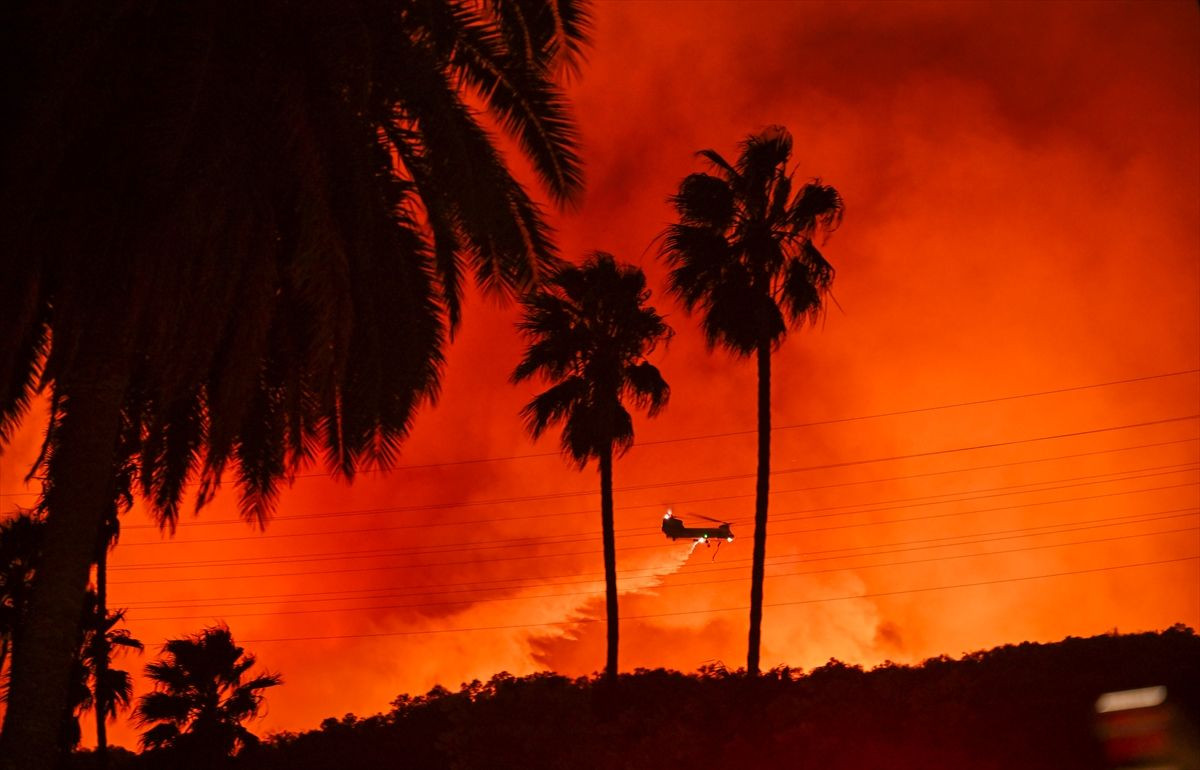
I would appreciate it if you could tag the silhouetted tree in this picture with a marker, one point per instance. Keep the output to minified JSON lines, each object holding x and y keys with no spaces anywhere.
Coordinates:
{"x":201,"y":697}
{"x":100,"y":635}
{"x":238,"y":232}
{"x":110,"y":689}
{"x":20,"y":544}
{"x":590,"y":332}
{"x":743,"y":254}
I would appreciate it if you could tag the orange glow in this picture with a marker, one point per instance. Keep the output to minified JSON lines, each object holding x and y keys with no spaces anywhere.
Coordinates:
{"x":1023,"y":215}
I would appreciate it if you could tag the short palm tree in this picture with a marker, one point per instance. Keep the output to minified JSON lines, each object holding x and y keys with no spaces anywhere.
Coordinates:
{"x":20,"y":544}
{"x":111,"y":689}
{"x":590,"y":331}
{"x":95,"y":685}
{"x":202,"y":696}
{"x":243,"y":232}
{"x":743,"y":254}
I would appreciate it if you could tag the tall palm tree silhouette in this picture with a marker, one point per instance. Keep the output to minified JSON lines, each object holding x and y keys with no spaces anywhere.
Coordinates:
{"x":241,"y":231}
{"x":743,"y":254}
{"x":590,"y":331}
{"x":202,"y":696}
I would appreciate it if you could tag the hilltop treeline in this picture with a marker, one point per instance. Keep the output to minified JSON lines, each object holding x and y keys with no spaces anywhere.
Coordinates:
{"x":1028,"y":705}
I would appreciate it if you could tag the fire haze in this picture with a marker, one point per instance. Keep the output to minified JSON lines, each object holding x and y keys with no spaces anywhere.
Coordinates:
{"x":1022,"y":185}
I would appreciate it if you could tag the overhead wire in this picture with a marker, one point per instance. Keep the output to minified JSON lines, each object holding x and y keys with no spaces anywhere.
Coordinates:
{"x":780,"y":427}
{"x":581,"y":537}
{"x":629,"y":548}
{"x":803,"y":514}
{"x":639,"y":572}
{"x":625,"y":507}
{"x":802,"y":558}
{"x":663,"y":586}
{"x":739,"y":608}
{"x":684,"y":482}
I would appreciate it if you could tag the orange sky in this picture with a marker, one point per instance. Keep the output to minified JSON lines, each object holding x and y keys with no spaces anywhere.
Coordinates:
{"x":1023,"y":215}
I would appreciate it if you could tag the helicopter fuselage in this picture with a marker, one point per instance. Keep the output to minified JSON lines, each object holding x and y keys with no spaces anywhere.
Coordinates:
{"x":674,"y":529}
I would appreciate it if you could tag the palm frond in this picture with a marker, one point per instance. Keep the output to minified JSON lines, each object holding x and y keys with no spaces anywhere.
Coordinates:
{"x":761,"y":272}
{"x":701,"y":261}
{"x":650,"y":391}
{"x":705,"y":201}
{"x":806,"y":283}
{"x":510,"y":243}
{"x":162,"y":707}
{"x":159,"y":736}
{"x":520,"y":93}
{"x":24,"y":341}
{"x":117,"y":687}
{"x":817,"y":207}
{"x":589,"y":329}
{"x":441,"y":214}
{"x":549,"y":34}
{"x":738,"y":316}
{"x":171,"y":455}
{"x":595,"y":426}
{"x":554,"y":405}
{"x":762,"y":159}
{"x":731,"y":174}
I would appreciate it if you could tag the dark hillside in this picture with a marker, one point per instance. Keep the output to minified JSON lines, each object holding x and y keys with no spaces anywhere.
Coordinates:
{"x":1018,"y":706}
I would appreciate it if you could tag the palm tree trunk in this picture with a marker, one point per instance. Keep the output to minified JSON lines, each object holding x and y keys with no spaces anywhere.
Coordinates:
{"x":82,"y":466}
{"x":610,"y":561}
{"x":761,"y":490}
{"x":100,"y":676}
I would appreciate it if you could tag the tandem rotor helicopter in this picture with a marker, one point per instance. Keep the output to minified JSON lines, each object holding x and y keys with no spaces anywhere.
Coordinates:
{"x":673,"y":528}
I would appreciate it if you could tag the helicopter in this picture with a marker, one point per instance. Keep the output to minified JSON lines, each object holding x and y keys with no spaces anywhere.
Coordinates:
{"x":674,"y":529}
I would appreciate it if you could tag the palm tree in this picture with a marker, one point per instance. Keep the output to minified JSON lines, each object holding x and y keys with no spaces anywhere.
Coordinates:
{"x":111,"y":689}
{"x":95,"y":685}
{"x":590,"y":332}
{"x":20,"y":544}
{"x":239,"y":233}
{"x":200,"y":699}
{"x":743,"y":254}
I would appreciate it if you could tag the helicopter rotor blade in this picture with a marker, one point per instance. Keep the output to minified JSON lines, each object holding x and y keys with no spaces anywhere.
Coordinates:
{"x":708,"y":518}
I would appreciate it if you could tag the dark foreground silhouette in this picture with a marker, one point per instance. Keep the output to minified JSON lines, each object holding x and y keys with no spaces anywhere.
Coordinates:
{"x":1018,"y":706}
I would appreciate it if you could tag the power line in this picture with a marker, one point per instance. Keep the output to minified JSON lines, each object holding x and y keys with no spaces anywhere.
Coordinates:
{"x":505,"y":519}
{"x":790,"y":426}
{"x":740,"y":608}
{"x":689,"y":584}
{"x":583,"y":537}
{"x":389,"y":568}
{"x":686,"y":482}
{"x":784,"y":561}
{"x":801,"y":515}
{"x":978,"y":510}
{"x":642,"y":572}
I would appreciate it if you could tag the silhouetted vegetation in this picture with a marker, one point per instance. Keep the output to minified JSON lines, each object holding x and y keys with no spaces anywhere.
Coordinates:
{"x":243,"y":231}
{"x":1027,"y":706}
{"x":201,"y":698}
{"x":94,"y":685}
